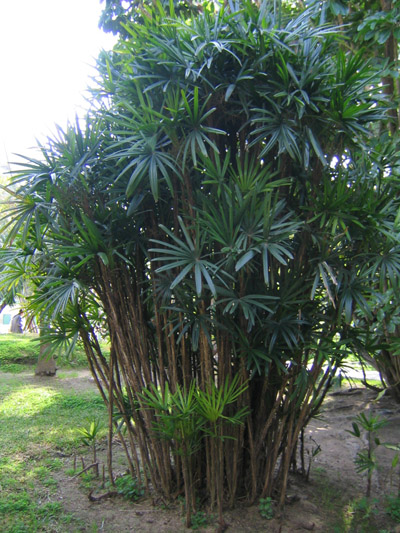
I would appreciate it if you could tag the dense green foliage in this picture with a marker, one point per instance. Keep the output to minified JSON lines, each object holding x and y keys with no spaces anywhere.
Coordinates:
{"x":373,"y":29}
{"x":227,"y":215}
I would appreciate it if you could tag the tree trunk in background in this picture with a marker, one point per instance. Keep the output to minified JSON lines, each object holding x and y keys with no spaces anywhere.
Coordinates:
{"x":391,"y":86}
{"x":46,"y":365}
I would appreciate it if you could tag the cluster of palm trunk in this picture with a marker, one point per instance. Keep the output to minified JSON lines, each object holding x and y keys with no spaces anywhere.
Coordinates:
{"x":223,"y":219}
{"x":197,"y":420}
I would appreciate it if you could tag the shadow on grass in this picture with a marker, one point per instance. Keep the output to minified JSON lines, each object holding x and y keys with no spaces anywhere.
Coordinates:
{"x":40,"y":416}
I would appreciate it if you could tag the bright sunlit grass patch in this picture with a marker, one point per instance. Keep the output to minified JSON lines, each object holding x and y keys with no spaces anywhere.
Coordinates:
{"x":67,"y":375}
{"x":35,"y":418}
{"x":11,"y":467}
{"x":27,"y":401}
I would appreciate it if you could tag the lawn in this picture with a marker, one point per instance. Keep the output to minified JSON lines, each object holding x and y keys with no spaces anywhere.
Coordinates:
{"x":19,"y":352}
{"x":39,"y":424}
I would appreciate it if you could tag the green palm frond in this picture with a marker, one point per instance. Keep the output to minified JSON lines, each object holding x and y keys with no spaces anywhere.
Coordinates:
{"x":187,"y":256}
{"x":55,"y":294}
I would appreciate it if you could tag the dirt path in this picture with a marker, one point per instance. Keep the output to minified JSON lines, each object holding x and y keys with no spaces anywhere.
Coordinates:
{"x":78,"y":380}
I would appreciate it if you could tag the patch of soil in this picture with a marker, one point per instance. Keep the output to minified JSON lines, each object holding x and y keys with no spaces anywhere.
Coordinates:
{"x":69,"y":380}
{"x":324,"y":504}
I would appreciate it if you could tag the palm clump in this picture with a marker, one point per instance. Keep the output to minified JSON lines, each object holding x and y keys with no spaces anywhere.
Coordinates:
{"x":219,"y":216}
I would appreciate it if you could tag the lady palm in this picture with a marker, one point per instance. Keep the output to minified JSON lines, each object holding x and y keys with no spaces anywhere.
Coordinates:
{"x":203,"y":211}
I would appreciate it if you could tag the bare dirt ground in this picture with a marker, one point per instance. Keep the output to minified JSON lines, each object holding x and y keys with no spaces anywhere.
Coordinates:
{"x":326,"y":503}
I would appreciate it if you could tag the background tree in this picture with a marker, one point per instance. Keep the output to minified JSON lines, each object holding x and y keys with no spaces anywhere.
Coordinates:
{"x":16,"y":288}
{"x":379,"y":31}
{"x":225,"y":211}
{"x":373,"y":29}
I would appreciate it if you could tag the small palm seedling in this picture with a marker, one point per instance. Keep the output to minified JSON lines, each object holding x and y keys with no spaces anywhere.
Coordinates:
{"x":266,"y":509}
{"x":366,"y":459}
{"x":311,"y":456}
{"x":89,"y":436}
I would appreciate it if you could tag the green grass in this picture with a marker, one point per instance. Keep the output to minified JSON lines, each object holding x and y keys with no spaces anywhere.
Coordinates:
{"x":349,"y":514}
{"x":36,"y":422}
{"x":18,"y":352}
{"x":42,"y":415}
{"x":18,"y":349}
{"x":70,"y":374}
{"x":14,"y":368}
{"x":372,"y":382}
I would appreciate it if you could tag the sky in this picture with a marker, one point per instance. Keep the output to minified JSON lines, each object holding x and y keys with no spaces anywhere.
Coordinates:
{"x":47,"y":53}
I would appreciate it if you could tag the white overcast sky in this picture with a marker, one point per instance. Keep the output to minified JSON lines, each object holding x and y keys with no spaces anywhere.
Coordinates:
{"x":47,"y":52}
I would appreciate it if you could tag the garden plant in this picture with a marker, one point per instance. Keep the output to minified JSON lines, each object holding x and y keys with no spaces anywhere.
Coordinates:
{"x":225,"y":215}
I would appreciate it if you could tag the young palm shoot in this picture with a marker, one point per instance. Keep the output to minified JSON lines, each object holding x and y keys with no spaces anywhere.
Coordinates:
{"x":212,"y":406}
{"x":89,"y":436}
{"x":366,"y":459}
{"x":179,"y":423}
